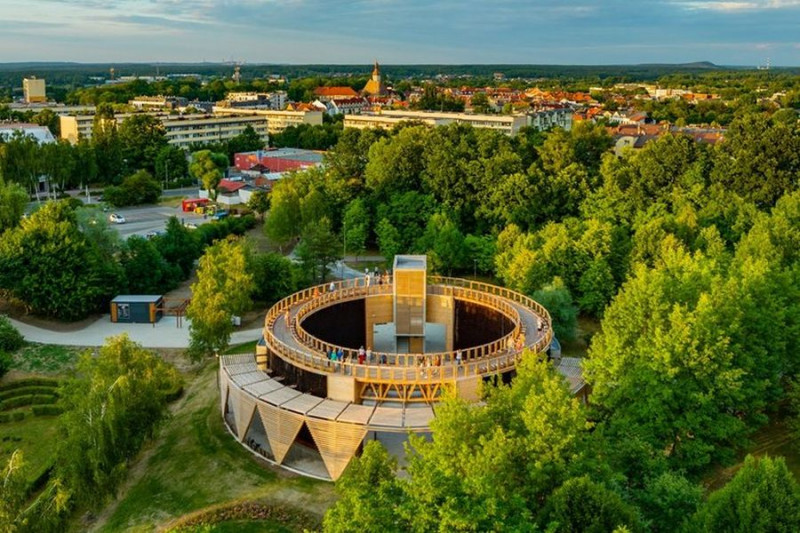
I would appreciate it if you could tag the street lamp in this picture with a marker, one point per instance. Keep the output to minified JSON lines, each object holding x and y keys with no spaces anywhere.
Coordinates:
{"x":474,"y":268}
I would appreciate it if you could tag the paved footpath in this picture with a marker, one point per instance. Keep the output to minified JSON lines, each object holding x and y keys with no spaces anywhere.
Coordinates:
{"x":164,"y":334}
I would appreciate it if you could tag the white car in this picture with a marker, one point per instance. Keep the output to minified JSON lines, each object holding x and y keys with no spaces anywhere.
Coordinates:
{"x":116,"y":219}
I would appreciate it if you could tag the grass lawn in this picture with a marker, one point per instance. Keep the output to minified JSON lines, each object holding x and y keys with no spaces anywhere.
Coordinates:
{"x":36,"y":436}
{"x":247,"y":347}
{"x":45,"y":358}
{"x":171,"y":201}
{"x":195,"y":463}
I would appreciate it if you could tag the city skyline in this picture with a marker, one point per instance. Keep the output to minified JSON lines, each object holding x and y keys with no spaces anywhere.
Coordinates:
{"x":411,"y":32}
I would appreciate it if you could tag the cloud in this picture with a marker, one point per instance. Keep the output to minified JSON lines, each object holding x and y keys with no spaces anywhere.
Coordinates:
{"x":738,"y":6}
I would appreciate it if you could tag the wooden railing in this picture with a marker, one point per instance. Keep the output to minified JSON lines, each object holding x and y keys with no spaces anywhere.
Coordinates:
{"x":496,"y":356}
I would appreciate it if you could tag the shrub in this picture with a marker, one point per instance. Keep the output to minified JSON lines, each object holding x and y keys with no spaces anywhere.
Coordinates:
{"x":29,"y":390}
{"x":16,"y":416}
{"x":136,"y":189}
{"x":30,"y":382}
{"x":46,"y":410}
{"x":28,"y":399}
{"x":5,"y":363}
{"x":11,"y":339}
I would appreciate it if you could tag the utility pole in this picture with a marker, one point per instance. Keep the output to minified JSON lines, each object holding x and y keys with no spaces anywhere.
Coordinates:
{"x":166,"y":176}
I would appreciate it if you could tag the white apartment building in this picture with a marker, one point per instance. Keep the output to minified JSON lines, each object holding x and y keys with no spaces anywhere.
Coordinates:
{"x":508,"y":124}
{"x":278,"y":120}
{"x":182,"y":130}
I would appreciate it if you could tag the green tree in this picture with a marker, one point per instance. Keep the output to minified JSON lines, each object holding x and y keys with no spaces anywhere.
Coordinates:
{"x":136,"y":189}
{"x":491,"y":466}
{"x":355,"y":227}
{"x":389,"y":240}
{"x":247,"y":141}
{"x":555,"y":297}
{"x":222,"y":291}
{"x":283,"y":223}
{"x":208,"y":167}
{"x":762,"y":497}
{"x":582,"y":505}
{"x":146,"y":271}
{"x":107,"y":145}
{"x":396,"y":163}
{"x":13,"y":492}
{"x":112,"y":405}
{"x":142,"y":136}
{"x":369,"y":494}
{"x":668,"y":501}
{"x":480,"y":103}
{"x":178,"y":246}
{"x":259,"y":203}
{"x":170,"y":164}
{"x":273,"y":277}
{"x":318,"y":248}
{"x":13,"y":200}
{"x":48,"y":264}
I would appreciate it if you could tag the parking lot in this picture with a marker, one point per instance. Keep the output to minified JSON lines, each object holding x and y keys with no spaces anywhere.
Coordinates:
{"x":142,"y":220}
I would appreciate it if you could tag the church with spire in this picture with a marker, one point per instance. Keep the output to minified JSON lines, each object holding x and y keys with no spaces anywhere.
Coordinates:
{"x":375,"y":86}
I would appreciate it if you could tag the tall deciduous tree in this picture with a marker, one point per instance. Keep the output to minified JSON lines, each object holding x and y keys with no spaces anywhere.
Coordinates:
{"x":107,"y":145}
{"x":222,"y":291}
{"x":208,"y":167}
{"x":763,"y":496}
{"x":13,"y":200}
{"x":355,"y":227}
{"x":111,"y":407}
{"x":318,"y":248}
{"x":48,"y":264}
{"x":143,"y":137}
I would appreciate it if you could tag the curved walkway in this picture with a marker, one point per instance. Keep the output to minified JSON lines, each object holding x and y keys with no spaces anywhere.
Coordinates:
{"x":164,"y":334}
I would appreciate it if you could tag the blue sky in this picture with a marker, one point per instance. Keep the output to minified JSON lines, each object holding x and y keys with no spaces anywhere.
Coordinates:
{"x":736,"y":32}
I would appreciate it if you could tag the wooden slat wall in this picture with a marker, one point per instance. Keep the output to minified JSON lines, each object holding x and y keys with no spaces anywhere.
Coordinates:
{"x":244,"y":406}
{"x":337,"y":443}
{"x":223,"y":388}
{"x":282,"y":428}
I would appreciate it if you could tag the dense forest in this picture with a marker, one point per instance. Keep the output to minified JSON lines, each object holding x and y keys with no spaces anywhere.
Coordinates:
{"x":685,"y":252}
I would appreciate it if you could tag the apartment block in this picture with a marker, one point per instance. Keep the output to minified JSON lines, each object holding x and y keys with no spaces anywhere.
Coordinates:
{"x":278,"y":120}
{"x":182,"y":130}
{"x":33,"y":90}
{"x":508,"y":124}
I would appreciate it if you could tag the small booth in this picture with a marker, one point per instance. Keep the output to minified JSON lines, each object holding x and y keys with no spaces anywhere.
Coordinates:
{"x":137,"y":308}
{"x":190,"y":205}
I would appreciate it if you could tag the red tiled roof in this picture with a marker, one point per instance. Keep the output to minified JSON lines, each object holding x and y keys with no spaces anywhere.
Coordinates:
{"x":231,"y":186}
{"x":335,"y":91}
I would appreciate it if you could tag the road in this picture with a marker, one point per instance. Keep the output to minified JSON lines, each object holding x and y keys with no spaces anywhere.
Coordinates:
{"x":141,"y":220}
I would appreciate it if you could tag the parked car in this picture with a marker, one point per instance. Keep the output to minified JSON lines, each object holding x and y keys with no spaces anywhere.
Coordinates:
{"x":219,"y":215}
{"x":190,"y":225}
{"x":116,"y":218}
{"x":153,"y":234}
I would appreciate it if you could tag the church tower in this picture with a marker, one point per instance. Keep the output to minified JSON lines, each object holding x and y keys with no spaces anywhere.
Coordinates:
{"x":375,"y":86}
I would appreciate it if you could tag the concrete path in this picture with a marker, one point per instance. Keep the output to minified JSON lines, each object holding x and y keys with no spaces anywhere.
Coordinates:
{"x":164,"y":334}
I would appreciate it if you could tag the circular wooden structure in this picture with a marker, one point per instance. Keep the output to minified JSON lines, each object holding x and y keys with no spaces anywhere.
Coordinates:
{"x":292,"y":388}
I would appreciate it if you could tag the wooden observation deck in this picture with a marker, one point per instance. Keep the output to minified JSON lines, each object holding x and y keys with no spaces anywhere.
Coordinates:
{"x":392,"y":392}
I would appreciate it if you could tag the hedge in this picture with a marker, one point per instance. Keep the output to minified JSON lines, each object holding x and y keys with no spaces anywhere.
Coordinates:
{"x":30,"y":382}
{"x":289,"y":516}
{"x":46,"y":410}
{"x":16,"y":416}
{"x":29,"y":390}
{"x":11,"y":339}
{"x":28,"y":399}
